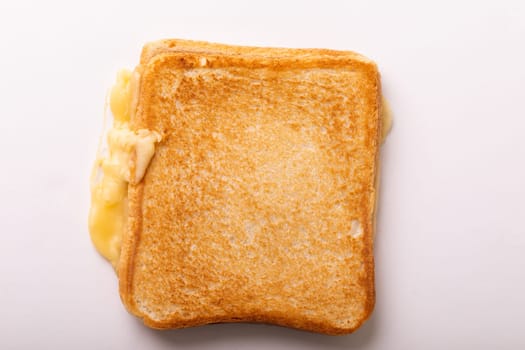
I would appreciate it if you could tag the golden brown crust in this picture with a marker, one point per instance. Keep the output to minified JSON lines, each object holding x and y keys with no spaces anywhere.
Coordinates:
{"x":151,"y":49}
{"x":252,"y":207}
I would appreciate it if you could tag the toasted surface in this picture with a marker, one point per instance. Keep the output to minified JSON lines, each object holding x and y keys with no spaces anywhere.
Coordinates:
{"x":259,"y":202}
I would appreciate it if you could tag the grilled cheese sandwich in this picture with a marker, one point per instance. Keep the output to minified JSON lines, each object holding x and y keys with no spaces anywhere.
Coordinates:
{"x":165,"y":217}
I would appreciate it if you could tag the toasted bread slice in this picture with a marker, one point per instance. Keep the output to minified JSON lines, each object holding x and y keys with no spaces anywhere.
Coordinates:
{"x":259,"y":202}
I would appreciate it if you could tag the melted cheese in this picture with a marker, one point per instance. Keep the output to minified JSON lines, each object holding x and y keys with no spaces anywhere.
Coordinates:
{"x":128,"y":156}
{"x":386,"y":115}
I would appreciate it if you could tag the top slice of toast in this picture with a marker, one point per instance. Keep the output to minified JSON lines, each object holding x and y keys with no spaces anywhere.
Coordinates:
{"x":259,"y":202}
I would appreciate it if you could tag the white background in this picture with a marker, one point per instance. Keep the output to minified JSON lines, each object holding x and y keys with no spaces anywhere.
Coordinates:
{"x":450,"y":248}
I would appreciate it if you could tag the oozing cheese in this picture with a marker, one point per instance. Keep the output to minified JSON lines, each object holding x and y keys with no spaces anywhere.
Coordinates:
{"x":386,"y":115}
{"x":127,"y":151}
